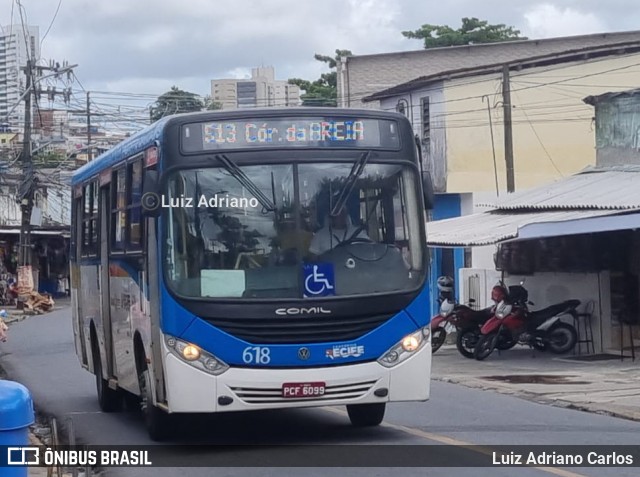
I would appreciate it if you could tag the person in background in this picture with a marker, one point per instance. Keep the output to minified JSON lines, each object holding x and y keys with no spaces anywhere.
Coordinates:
{"x":3,"y":326}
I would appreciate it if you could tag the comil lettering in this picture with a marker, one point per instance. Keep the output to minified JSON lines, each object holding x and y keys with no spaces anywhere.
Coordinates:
{"x":314,"y":310}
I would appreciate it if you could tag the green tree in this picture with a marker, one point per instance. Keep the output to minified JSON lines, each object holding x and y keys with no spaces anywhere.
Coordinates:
{"x":210,"y":104}
{"x":175,"y":101}
{"x":323,"y":91}
{"x":471,"y":32}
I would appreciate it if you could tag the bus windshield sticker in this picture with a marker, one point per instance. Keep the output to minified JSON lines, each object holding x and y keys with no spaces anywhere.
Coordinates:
{"x":222,"y":283}
{"x":294,"y":132}
{"x":319,"y":280}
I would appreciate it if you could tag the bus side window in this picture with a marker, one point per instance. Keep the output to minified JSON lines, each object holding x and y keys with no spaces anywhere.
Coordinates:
{"x":126,"y":208}
{"x":118,"y":209}
{"x":89,"y":244}
{"x":76,"y":227}
{"x":134,"y":208}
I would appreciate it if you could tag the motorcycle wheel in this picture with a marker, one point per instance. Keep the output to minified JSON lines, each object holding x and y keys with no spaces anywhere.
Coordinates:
{"x":562,"y":338}
{"x":505,"y":343}
{"x":437,"y":339}
{"x":486,"y":345}
{"x":466,"y":342}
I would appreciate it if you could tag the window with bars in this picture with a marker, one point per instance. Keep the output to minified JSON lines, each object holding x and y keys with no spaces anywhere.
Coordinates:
{"x":426,"y":120}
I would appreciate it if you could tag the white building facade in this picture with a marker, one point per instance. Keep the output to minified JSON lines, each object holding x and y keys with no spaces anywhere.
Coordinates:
{"x":261,"y":90}
{"x":17,"y":45}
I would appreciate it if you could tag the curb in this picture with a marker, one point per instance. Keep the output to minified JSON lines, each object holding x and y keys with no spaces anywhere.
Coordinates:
{"x":475,"y":383}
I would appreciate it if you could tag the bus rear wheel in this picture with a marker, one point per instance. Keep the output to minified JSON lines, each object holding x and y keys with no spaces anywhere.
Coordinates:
{"x":366,"y":415}
{"x":109,"y":399}
{"x":155,"y":419}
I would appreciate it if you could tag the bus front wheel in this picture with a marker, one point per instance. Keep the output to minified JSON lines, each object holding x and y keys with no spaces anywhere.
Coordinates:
{"x":155,"y":419}
{"x":365,"y":415}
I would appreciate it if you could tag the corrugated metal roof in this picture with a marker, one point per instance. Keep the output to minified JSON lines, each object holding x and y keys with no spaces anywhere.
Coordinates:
{"x":495,"y":226}
{"x":609,"y":188}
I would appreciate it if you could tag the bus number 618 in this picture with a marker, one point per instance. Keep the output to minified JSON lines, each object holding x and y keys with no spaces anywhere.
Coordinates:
{"x":257,"y":355}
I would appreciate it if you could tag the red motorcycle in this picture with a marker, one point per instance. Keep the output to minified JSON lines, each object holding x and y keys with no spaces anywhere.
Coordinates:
{"x":514,"y":323}
{"x":464,"y":319}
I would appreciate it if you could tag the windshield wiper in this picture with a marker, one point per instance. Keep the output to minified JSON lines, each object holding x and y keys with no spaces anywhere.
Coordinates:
{"x":356,"y":172}
{"x":233,"y":169}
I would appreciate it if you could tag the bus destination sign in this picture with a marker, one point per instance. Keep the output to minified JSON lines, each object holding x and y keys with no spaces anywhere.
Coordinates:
{"x":296,"y":132}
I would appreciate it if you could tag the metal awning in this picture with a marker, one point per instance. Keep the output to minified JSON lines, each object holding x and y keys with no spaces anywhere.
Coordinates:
{"x":497,"y":226}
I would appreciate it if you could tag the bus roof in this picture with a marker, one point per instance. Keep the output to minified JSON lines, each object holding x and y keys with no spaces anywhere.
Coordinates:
{"x":148,"y":136}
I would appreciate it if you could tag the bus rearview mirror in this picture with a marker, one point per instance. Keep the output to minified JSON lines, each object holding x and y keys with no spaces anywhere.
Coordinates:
{"x":428,"y":191}
{"x":151,"y":199}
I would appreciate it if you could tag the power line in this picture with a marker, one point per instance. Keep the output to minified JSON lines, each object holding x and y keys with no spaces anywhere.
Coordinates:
{"x":541,"y":143}
{"x":51,"y":24}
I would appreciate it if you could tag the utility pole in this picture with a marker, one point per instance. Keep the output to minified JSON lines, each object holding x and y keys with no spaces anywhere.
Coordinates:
{"x":27,"y":186}
{"x":508,"y":130}
{"x":89,"y":148}
{"x":33,"y":74}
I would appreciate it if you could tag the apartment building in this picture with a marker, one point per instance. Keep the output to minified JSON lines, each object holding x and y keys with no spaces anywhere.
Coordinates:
{"x":17,"y":44}
{"x":261,"y":90}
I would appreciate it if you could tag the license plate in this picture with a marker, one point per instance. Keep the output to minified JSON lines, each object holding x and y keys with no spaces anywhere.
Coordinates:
{"x":302,"y":390}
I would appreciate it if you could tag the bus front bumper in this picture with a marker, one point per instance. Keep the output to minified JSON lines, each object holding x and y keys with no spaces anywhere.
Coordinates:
{"x":242,"y":389}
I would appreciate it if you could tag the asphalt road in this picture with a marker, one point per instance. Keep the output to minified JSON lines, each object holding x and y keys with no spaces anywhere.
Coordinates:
{"x":40,"y":354}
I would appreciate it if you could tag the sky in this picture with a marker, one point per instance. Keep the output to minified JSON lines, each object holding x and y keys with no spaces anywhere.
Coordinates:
{"x":146,"y":46}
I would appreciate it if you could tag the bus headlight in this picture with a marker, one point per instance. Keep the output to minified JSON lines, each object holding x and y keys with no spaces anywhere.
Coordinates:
{"x":195,"y":356}
{"x":405,"y":348}
{"x":190,"y":352}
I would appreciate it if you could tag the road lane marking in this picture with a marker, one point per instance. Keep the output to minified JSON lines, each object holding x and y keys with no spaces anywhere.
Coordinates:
{"x":456,"y":442}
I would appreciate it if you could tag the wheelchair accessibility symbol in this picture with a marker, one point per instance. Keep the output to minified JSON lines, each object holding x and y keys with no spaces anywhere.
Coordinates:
{"x":319,"y":280}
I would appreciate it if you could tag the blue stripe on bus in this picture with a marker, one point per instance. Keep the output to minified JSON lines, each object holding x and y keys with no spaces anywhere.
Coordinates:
{"x":420,"y":309}
{"x":181,"y":323}
{"x":234,"y":351}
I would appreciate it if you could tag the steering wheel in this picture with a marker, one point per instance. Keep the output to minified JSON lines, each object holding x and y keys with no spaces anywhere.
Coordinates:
{"x":355,"y":240}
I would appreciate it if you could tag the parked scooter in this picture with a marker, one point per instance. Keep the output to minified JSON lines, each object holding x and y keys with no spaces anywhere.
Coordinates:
{"x":540,"y":329}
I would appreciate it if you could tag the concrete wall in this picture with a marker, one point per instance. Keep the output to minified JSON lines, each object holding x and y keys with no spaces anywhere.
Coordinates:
{"x":618,"y":130}
{"x":616,"y":156}
{"x":553,"y":130}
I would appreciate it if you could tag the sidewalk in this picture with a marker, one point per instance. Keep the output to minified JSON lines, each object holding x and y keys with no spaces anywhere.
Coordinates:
{"x":609,"y":387}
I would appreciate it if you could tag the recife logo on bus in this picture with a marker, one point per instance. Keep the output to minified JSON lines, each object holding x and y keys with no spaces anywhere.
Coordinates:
{"x":345,"y":351}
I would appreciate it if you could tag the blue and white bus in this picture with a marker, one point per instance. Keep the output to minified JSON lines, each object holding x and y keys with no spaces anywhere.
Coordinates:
{"x":254,"y":259}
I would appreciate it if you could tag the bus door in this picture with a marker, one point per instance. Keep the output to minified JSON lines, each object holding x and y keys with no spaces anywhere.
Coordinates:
{"x":105,"y":297}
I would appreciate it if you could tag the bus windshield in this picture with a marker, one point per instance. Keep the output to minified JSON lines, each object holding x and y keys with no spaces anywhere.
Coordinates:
{"x":303,"y":230}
